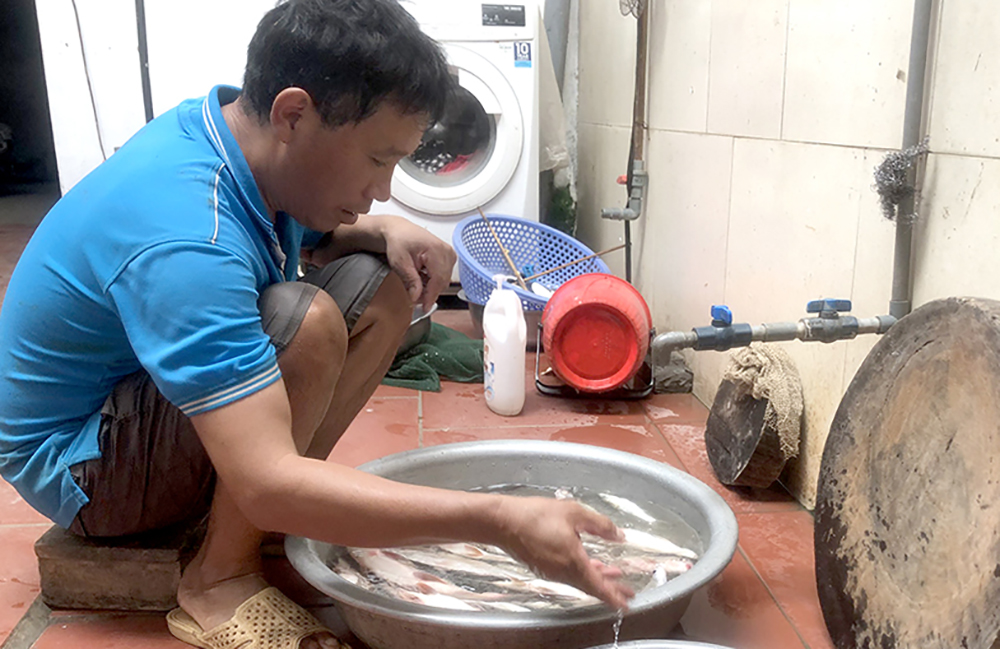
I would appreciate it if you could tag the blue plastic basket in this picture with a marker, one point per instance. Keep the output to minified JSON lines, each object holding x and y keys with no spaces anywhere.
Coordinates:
{"x":532,"y":246}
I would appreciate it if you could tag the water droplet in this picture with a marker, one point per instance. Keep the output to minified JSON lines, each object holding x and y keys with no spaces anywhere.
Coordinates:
{"x":618,"y":625}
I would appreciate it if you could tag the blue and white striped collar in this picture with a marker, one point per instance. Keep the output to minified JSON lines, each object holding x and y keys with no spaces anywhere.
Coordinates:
{"x":225,"y":144}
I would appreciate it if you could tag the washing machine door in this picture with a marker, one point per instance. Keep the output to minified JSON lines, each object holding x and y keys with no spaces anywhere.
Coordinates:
{"x":466,"y":159}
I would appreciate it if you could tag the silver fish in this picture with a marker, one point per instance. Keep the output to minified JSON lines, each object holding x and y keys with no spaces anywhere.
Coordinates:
{"x":627,"y":506}
{"x":553,"y":589}
{"x":432,"y":556}
{"x":488,"y":553}
{"x":657,"y":544}
{"x":474,"y":576}
{"x":668,"y":566}
{"x":349,"y":574}
{"x":437,"y":600}
{"x":390,"y":569}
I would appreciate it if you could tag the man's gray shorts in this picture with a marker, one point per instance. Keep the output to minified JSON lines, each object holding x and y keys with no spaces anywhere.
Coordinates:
{"x":153,"y":470}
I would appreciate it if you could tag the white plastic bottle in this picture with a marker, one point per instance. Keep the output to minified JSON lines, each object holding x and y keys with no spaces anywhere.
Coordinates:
{"x":504,"y":342}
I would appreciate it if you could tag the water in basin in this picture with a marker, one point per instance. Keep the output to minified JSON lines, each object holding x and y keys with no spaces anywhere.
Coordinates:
{"x":659,"y":545}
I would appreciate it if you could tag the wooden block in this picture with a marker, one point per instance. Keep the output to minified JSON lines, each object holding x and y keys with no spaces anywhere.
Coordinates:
{"x":742,"y":448}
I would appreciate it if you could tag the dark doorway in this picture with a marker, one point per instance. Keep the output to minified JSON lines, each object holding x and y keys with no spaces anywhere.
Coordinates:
{"x":27,"y":154}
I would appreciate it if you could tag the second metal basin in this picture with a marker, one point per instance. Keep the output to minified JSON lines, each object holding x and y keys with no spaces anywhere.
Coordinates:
{"x":661,"y":644}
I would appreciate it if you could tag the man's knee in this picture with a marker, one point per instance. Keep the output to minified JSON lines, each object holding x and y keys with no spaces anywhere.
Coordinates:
{"x":323,"y":329}
{"x":393,"y":303}
{"x":300,"y":315}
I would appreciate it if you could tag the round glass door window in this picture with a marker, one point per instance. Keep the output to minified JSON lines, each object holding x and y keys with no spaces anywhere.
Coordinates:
{"x":471,"y":154}
{"x":458,"y":147}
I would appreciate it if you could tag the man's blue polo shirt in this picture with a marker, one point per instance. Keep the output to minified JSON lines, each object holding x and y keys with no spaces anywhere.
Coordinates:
{"x":154,"y":261}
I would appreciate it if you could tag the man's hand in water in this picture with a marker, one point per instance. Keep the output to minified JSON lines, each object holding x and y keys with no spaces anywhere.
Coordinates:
{"x":545,"y":534}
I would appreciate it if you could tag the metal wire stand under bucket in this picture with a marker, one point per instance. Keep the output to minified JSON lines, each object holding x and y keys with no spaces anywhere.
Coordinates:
{"x":639,"y":386}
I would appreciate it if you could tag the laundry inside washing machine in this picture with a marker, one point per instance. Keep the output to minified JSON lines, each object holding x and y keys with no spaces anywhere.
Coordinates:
{"x":457,"y":147}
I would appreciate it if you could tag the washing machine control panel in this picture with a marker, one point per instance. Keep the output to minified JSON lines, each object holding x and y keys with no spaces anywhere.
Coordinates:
{"x":503,"y":15}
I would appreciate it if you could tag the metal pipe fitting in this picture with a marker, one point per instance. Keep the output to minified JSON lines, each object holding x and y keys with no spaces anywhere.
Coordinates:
{"x":637,"y":192}
{"x":722,"y":338}
{"x":900,"y":302}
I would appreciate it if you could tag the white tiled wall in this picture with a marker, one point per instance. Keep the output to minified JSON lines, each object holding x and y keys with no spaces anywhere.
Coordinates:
{"x":802,"y":99}
{"x":792,"y":238}
{"x":846,"y":71}
{"x":603,"y":156}
{"x":689,"y":204}
{"x":607,"y":64}
{"x":965,"y":108}
{"x":793,"y":226}
{"x":871,"y":286}
{"x":958,"y":235}
{"x":678,"y":65}
{"x":747,"y":67}
{"x":85,"y":133}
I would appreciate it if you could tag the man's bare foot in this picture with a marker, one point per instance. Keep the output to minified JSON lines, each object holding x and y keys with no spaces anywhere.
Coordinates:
{"x":214,"y":604}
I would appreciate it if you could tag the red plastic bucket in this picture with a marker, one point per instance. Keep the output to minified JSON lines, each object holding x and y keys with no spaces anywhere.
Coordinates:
{"x":595,"y":329}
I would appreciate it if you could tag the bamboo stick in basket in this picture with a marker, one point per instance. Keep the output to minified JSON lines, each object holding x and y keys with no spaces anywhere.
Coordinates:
{"x":570,"y":263}
{"x":506,"y":255}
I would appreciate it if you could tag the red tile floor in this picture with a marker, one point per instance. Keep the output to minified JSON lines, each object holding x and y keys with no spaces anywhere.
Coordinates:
{"x":765,"y":599}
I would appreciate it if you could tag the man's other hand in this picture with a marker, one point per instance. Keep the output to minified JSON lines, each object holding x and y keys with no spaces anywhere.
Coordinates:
{"x":423,"y":261}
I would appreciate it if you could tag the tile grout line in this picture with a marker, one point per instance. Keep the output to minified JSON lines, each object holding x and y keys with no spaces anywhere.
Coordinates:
{"x":784,"y":71}
{"x":799,"y":510}
{"x":671,"y":447}
{"x":30,"y":627}
{"x":563,"y":425}
{"x":774,"y":599}
{"x":650,"y":422}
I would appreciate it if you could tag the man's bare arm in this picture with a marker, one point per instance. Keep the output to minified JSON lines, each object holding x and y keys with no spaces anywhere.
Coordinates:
{"x":251,"y":446}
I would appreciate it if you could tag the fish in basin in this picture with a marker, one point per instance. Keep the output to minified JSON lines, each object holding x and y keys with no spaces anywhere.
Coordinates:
{"x":476,"y":577}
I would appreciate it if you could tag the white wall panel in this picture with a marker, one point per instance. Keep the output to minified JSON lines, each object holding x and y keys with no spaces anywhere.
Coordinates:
{"x":607,"y":64}
{"x":965,"y":107}
{"x":678,"y":65}
{"x":847,"y":71}
{"x":110,"y":42}
{"x":747,"y":67}
{"x":957,"y":238}
{"x":188,"y":56}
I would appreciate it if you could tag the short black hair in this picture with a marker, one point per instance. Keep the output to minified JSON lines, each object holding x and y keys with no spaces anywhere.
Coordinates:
{"x":350,"y":56}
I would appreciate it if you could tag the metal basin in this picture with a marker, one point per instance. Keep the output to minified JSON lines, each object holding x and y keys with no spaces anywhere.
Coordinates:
{"x":420,"y":328}
{"x":661,"y":644}
{"x":387,"y":623}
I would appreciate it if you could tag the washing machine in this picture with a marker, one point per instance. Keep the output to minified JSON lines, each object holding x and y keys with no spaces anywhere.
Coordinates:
{"x":484,"y":152}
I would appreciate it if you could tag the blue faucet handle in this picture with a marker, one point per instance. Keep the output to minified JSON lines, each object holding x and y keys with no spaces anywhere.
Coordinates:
{"x":828,"y":305}
{"x":722,"y":315}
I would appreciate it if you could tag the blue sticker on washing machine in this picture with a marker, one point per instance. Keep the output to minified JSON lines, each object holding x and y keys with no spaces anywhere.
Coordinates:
{"x":522,"y":54}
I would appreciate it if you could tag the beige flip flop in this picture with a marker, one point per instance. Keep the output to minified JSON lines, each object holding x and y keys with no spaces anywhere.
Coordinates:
{"x":268,"y":620}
